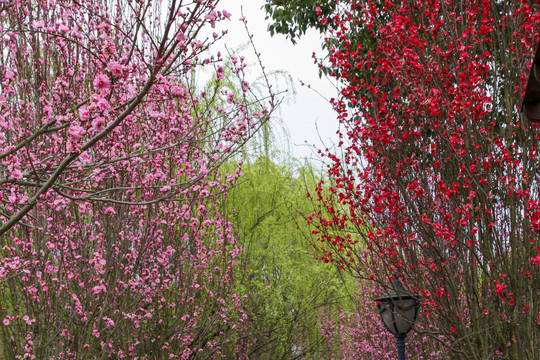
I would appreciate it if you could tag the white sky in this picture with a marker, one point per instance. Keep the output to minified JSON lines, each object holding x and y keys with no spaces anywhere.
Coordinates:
{"x":309,"y":118}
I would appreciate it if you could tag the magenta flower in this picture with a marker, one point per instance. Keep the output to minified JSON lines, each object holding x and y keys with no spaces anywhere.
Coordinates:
{"x":116,"y":68}
{"x":76,"y":132}
{"x":16,"y":174}
{"x":102,"y":81}
{"x":84,"y":113}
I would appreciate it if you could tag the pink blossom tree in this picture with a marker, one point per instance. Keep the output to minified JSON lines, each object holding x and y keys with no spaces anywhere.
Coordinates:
{"x":114,"y":240}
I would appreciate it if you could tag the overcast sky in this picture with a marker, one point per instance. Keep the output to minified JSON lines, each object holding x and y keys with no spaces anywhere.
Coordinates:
{"x":308,"y":117}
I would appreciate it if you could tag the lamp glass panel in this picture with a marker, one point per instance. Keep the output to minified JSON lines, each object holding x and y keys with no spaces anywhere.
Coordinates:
{"x":402,"y":323}
{"x":404,"y":314}
{"x":409,"y":307}
{"x":386,"y":316}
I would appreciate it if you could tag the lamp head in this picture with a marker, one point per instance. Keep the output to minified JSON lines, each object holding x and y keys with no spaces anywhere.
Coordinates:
{"x":398,"y":309}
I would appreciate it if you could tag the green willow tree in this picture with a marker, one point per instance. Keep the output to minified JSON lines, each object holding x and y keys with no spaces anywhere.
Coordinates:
{"x":285,"y":305}
{"x":283,"y":299}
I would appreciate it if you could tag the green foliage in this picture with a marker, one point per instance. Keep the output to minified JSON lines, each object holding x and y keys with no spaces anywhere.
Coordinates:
{"x":292,"y":18}
{"x":284,"y":287}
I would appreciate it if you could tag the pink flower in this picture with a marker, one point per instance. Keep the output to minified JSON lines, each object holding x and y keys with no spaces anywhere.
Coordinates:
{"x":178,"y":91}
{"x":102,"y":81}
{"x":38,"y":24}
{"x":212,"y":17}
{"x":108,"y":321}
{"x":97,"y":123}
{"x":99,"y":289}
{"x":181,"y":37}
{"x":16,"y":174}
{"x":6,"y":321}
{"x":116,"y":68}
{"x":103,"y":104}
{"x":10,"y":75}
{"x":84,"y":113}
{"x":227,"y":14}
{"x":28,"y":321}
{"x":63,"y":28}
{"x":76,"y":132}
{"x":110,"y":211}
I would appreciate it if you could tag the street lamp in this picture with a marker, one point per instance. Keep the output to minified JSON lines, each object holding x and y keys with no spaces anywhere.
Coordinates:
{"x":398,"y":310}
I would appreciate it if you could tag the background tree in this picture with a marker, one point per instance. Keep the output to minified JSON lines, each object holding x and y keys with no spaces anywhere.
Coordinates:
{"x":283,"y":300}
{"x":284,"y":304}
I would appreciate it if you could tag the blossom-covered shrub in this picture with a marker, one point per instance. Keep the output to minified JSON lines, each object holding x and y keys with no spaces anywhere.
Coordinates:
{"x":114,"y":242}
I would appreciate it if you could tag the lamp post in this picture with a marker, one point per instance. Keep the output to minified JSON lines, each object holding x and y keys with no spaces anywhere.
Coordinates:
{"x":398,"y":310}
